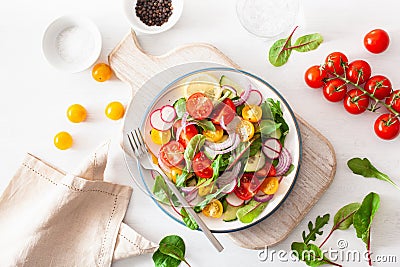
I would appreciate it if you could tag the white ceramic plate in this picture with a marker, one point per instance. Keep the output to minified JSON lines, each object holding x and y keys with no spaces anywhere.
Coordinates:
{"x":171,"y":93}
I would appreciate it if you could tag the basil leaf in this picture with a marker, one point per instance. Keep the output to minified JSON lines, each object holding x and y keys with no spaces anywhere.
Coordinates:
{"x":315,"y":230}
{"x":308,"y":42}
{"x":162,"y":193}
{"x":192,"y":148}
{"x":180,"y":107}
{"x":362,"y":219}
{"x":162,"y":260}
{"x":173,"y":246}
{"x":250,"y":211}
{"x":344,"y":217}
{"x":310,"y":254}
{"x":279,"y":53}
{"x":365,"y":168}
{"x":188,"y":220}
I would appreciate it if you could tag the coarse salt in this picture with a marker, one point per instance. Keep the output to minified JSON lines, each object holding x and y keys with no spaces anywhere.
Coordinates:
{"x":75,"y":44}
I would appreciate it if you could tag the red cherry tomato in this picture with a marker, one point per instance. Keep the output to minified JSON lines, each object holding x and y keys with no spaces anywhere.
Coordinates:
{"x":356,"y":102}
{"x":315,"y":76}
{"x":387,"y":126}
{"x":272,"y":171}
{"x":187,"y":134}
{"x":202,"y":166}
{"x":225,"y":109}
{"x":335,"y":90}
{"x":358,"y":71}
{"x":171,"y":154}
{"x":199,"y":106}
{"x":336,"y":62}
{"x":394,"y":100}
{"x":376,"y":41}
{"x":379,"y":86}
{"x":243,"y":191}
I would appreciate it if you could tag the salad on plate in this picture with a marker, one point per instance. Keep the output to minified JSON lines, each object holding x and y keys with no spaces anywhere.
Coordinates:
{"x":223,"y":145}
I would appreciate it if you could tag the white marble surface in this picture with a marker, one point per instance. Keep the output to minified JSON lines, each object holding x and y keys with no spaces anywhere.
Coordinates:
{"x":35,"y":97}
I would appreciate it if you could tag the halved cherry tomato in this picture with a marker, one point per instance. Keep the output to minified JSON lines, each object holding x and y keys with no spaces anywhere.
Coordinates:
{"x":315,"y":76}
{"x":171,"y":153}
{"x":214,"y":136}
{"x":270,"y":185}
{"x":186,"y":134}
{"x":252,"y":113}
{"x":379,"y":86}
{"x":245,"y":129}
{"x":376,"y":41}
{"x":358,"y":71}
{"x":394,"y":100}
{"x":174,"y":173}
{"x":202,"y":165}
{"x":387,"y":126}
{"x":335,"y":90}
{"x":272,"y":171}
{"x":356,"y":102}
{"x":213,"y":209}
{"x":160,"y":137}
{"x":243,"y":191}
{"x":225,"y":109}
{"x":336,"y":62}
{"x":207,"y":189}
{"x":199,"y":106}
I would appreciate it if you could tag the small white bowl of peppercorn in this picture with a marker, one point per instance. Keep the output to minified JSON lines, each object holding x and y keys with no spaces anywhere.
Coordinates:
{"x":153,"y":16}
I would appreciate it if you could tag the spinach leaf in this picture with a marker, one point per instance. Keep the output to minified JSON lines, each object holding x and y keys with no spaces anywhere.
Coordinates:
{"x":315,"y":229}
{"x":188,"y":220}
{"x":255,"y":146}
{"x":171,"y":252}
{"x":279,"y":52}
{"x":344,"y":217}
{"x":310,"y":254}
{"x":365,"y":168}
{"x":162,"y":193}
{"x":268,"y":127}
{"x":192,"y":148}
{"x":162,"y":260}
{"x":205,"y":125}
{"x":250,"y":211}
{"x":218,"y":194}
{"x":308,"y":42}
{"x":239,"y":109}
{"x":362,"y":219}
{"x":180,"y":107}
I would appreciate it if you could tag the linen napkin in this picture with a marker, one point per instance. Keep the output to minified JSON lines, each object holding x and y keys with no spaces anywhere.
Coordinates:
{"x":52,"y":218}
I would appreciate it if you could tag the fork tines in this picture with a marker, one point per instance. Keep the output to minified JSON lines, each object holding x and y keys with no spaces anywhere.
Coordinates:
{"x":137,"y":142}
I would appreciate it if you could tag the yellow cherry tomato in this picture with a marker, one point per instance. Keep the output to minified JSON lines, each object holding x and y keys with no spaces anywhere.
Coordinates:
{"x":214,"y":136}
{"x":115,"y":110}
{"x":270,"y":185}
{"x":245,"y":129}
{"x":252,"y":113}
{"x":160,"y":137}
{"x":213,"y":209}
{"x":101,"y":72}
{"x":173,"y":174}
{"x":63,"y":140}
{"x":207,"y":189}
{"x":76,"y":113}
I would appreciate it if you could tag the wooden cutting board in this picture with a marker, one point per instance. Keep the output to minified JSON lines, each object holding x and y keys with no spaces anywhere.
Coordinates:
{"x":134,"y":66}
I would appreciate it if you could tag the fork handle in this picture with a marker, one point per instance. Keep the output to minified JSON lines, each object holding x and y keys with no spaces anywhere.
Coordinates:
{"x":191,"y":211}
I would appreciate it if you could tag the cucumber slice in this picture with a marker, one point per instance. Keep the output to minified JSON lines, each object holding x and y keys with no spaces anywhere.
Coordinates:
{"x":255,"y":163}
{"x":226,"y":81}
{"x":230,"y":213}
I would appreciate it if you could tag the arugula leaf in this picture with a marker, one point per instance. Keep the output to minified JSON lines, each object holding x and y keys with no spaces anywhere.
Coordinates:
{"x":215,"y":165}
{"x":308,"y":42}
{"x":315,"y":230}
{"x":188,"y":220}
{"x":344,"y":217}
{"x":362,"y":219}
{"x":365,"y":168}
{"x":180,"y":107}
{"x":162,"y":192}
{"x":171,"y":252}
{"x":310,"y":254}
{"x":277,"y":114}
{"x":192,"y":148}
{"x":290,"y":170}
{"x":250,"y":211}
{"x":181,"y":178}
{"x":279,"y":52}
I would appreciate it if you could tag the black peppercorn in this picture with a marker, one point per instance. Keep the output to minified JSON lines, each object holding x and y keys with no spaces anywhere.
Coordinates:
{"x":154,"y":12}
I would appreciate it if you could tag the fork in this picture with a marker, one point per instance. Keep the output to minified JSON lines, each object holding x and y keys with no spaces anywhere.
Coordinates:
{"x":141,"y":154}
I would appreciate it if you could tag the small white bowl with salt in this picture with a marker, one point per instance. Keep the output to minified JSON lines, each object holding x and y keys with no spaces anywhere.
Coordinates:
{"x":72,"y":43}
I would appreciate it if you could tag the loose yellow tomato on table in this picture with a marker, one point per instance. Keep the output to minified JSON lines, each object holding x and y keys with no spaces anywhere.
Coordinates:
{"x":213,"y":209}
{"x":270,"y":185}
{"x":245,"y":129}
{"x":160,"y":137}
{"x":115,"y":110}
{"x":63,"y":140}
{"x":76,"y":113}
{"x":252,"y":113}
{"x":214,"y":136}
{"x":101,"y":72}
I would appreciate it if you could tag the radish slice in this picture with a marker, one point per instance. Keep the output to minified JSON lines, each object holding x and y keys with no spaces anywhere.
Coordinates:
{"x":234,"y":201}
{"x":255,"y":98}
{"x":261,"y":197}
{"x":157,"y":123}
{"x":168,"y":113}
{"x":285,"y":160}
{"x":228,"y":180}
{"x":272,"y":148}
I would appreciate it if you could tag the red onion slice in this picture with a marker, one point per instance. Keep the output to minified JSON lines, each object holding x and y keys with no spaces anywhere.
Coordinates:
{"x":229,"y":88}
{"x":229,"y":177}
{"x":261,"y":197}
{"x":243,"y":96}
{"x":285,"y":160}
